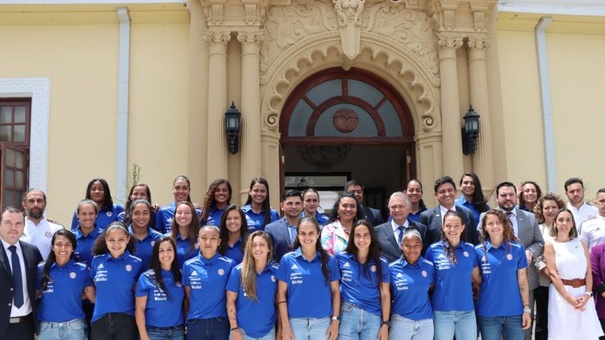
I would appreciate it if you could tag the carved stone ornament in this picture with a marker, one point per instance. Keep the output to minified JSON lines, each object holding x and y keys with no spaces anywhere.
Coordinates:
{"x":345,"y":120}
{"x":479,"y":43}
{"x":349,"y":21}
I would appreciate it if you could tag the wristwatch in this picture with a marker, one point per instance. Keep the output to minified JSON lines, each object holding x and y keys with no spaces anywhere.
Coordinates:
{"x":388,"y":323}
{"x":336,"y":318}
{"x":526,"y":309}
{"x":590,"y":294}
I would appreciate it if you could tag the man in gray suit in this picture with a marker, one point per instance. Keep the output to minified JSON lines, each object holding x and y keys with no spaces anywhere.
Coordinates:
{"x":390,"y":234}
{"x":527,"y":231}
{"x":283,"y":231}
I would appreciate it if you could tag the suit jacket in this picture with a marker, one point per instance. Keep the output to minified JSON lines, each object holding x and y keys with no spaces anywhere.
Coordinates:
{"x":433,"y":220}
{"x":531,"y":238}
{"x":389,"y":247}
{"x":373,"y":215}
{"x":31,"y":257}
{"x":280,"y":234}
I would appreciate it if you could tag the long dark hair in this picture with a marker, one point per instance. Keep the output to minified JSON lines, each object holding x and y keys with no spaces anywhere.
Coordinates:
{"x":194,"y":226}
{"x":224,"y":233}
{"x":155,"y":268}
{"x":209,"y":200}
{"x":478,"y":200}
{"x":100,"y":245}
{"x":323,"y":254}
{"x":127,"y":207}
{"x":334,"y":213}
{"x":266,"y":203}
{"x":421,"y":204}
{"x":508,"y":232}
{"x":52,"y":259}
{"x":107,"y":200}
{"x":374,"y":254}
{"x":149,"y":207}
{"x":450,"y":251}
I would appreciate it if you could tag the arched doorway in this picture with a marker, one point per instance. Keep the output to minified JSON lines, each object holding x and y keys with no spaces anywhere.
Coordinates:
{"x":338,"y":125}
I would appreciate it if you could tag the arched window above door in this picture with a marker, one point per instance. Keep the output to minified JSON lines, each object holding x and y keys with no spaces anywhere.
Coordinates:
{"x":352,"y":105}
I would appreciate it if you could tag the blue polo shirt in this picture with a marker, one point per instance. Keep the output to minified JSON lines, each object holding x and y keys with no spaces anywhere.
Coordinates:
{"x":410,"y":286}
{"x":83,"y":251}
{"x":165,"y":216}
{"x":309,"y":296}
{"x":114,"y":279}
{"x":144,"y":247}
{"x":461,"y":201}
{"x":413,"y":217}
{"x":62,"y":299}
{"x":214,"y":216}
{"x":361,"y":287}
{"x":184,"y":251}
{"x":258,"y":220}
{"x":453,"y":282}
{"x":104,"y":218}
{"x":162,"y":310}
{"x":207,"y":279}
{"x":499,"y":294}
{"x":235,"y":253}
{"x":256,"y":318}
{"x":321,"y":218}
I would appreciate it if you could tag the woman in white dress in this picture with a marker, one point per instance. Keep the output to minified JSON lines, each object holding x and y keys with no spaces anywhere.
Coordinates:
{"x":571,"y":312}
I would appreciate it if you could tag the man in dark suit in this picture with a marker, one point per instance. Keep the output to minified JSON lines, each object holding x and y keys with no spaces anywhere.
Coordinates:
{"x":445,"y":193}
{"x":356,"y":188}
{"x":390,"y":234}
{"x":283,"y":231}
{"x":19,"y":261}
{"x":527,"y":230}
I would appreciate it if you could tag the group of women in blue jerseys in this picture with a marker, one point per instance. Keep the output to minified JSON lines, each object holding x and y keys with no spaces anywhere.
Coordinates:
{"x":208,"y":272}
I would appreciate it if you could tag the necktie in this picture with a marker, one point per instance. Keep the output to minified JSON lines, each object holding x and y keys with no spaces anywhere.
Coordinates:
{"x":510,"y":218}
{"x":292,"y":231}
{"x":17,"y":280}
{"x":401,"y":230}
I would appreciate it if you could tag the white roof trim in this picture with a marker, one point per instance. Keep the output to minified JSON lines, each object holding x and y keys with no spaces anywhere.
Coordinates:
{"x":89,"y":2}
{"x":579,"y":7}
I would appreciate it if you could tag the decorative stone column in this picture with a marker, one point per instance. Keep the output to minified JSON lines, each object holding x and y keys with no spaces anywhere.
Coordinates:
{"x":250,"y":107}
{"x":482,"y":159}
{"x":217,"y":104}
{"x":450,"y":105}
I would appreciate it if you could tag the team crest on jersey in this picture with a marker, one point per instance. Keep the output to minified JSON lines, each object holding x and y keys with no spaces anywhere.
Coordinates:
{"x":273,"y":278}
{"x":48,"y":234}
{"x":128,"y":267}
{"x":465,"y":254}
{"x":509,"y":257}
{"x":373,"y":268}
{"x":152,"y":243}
{"x":424,"y":273}
{"x":72,"y":275}
{"x":109,"y":214}
{"x":221,"y":272}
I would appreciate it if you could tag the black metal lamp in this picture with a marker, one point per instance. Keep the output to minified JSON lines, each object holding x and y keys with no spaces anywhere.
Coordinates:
{"x":232,"y":127}
{"x":470,"y":131}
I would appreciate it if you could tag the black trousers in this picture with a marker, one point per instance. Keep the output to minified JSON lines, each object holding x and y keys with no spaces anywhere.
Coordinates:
{"x":116,"y":326}
{"x":23,"y":330}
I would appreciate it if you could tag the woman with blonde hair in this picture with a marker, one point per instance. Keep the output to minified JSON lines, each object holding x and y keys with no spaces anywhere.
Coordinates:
{"x":251,"y":291}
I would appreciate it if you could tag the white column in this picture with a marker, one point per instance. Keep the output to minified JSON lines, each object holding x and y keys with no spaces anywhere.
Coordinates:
{"x":250,"y":108}
{"x":217,"y":104}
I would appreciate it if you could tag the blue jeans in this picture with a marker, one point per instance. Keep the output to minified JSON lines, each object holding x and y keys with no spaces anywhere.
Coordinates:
{"x":463,"y":324}
{"x":166,"y":333}
{"x":496,"y":327}
{"x":209,"y":329}
{"x":404,"y":329}
{"x":268,"y":336}
{"x":356,"y":323}
{"x":309,"y":328}
{"x":70,"y":330}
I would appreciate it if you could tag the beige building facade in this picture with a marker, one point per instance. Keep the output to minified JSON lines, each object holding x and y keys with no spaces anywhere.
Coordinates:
{"x":372,"y":90}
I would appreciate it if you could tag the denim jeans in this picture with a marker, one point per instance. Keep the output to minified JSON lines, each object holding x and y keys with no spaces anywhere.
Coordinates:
{"x":70,"y":330}
{"x":116,"y":326}
{"x":497,"y":327}
{"x":463,"y":324}
{"x":356,"y":323}
{"x":268,"y":336}
{"x":405,"y":329}
{"x":309,"y":328}
{"x":166,"y":333}
{"x":209,"y":329}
